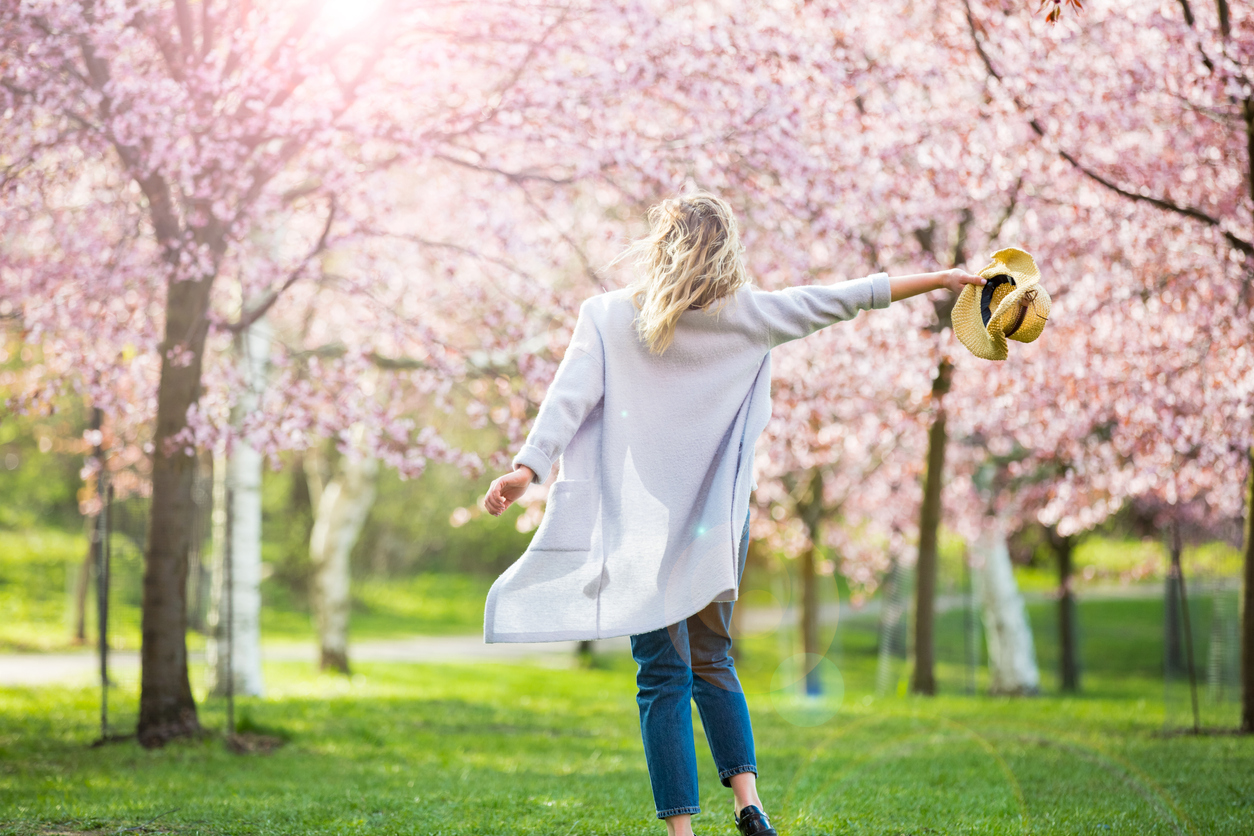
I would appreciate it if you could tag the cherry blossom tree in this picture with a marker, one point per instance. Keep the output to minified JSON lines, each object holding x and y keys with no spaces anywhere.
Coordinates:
{"x":1168,"y":182}
{"x":151,"y":149}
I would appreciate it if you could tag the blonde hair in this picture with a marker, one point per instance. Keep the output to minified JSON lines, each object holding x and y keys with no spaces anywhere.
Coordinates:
{"x":691,"y":258}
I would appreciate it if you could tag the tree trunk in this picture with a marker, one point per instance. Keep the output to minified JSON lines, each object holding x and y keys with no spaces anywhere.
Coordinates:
{"x":1068,"y":656}
{"x":1173,"y":648}
{"x":1011,"y":654}
{"x":166,"y":707}
{"x":923,"y":679}
{"x":242,"y":477}
{"x":811,"y":511}
{"x":93,"y":531}
{"x":893,"y":626}
{"x":810,"y":620}
{"x":81,"y":583}
{"x":340,"y":509}
{"x":1247,"y":608}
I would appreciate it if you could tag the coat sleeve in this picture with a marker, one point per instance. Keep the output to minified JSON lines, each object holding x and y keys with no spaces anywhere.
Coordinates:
{"x":577,"y":388}
{"x":797,"y":312}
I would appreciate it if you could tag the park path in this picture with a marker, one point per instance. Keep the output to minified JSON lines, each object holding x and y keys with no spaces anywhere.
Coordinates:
{"x":81,"y":666}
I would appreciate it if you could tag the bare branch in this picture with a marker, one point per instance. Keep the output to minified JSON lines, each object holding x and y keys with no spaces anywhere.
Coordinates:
{"x":512,"y":176}
{"x":460,"y":248}
{"x":248,"y":317}
{"x":1010,"y":210}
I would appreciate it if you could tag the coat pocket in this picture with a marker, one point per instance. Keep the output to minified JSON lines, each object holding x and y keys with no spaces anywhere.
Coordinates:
{"x":569,"y":517}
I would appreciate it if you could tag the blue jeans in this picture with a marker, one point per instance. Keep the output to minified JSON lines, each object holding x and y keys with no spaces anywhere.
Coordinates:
{"x":677,"y":664}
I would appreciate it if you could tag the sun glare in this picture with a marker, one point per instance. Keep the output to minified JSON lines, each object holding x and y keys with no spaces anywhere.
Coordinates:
{"x":345,"y":14}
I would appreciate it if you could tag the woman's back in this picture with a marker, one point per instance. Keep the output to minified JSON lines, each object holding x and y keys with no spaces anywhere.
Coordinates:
{"x":656,"y":460}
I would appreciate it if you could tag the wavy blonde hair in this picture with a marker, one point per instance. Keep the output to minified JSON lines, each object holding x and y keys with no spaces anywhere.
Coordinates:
{"x":691,"y":258}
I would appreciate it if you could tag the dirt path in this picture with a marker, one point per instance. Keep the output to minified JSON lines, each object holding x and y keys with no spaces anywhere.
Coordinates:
{"x":33,"y":669}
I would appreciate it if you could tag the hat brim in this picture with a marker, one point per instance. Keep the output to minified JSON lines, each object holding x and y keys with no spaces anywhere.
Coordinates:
{"x":1023,"y":311}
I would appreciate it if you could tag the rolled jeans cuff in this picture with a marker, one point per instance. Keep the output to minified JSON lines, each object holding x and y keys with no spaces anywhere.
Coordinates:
{"x":678,"y":811}
{"x":726,"y":774}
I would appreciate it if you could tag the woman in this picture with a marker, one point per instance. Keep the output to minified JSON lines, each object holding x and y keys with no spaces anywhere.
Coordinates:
{"x":653,"y":415}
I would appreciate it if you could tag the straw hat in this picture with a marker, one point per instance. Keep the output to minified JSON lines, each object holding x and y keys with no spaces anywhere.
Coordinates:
{"x":1011,"y":304}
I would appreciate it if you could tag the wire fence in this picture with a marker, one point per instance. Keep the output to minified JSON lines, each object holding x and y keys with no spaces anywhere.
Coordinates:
{"x":1201,"y":657}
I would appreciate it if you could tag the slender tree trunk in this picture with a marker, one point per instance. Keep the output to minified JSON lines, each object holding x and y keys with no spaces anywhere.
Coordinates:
{"x":81,"y":583}
{"x":1177,"y":571}
{"x":1011,"y":655}
{"x":89,"y":559}
{"x":923,"y":679}
{"x":166,"y":707}
{"x":243,"y":478}
{"x":810,"y":620}
{"x":1068,"y":657}
{"x":1173,"y":648}
{"x":811,"y":511}
{"x":1247,"y":609}
{"x":340,"y":510}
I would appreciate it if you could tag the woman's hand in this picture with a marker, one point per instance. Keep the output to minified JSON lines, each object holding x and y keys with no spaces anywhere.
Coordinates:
{"x":507,"y":489}
{"x":957,"y":278}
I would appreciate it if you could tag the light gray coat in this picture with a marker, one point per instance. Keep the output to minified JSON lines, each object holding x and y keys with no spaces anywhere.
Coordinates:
{"x":656,"y":463}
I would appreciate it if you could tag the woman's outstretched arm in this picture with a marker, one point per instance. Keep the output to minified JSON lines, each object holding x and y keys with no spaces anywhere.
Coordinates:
{"x":903,"y":287}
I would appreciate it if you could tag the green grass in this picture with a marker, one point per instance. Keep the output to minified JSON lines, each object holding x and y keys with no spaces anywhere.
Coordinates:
{"x":39,"y":569}
{"x":488,"y":749}
{"x":36,"y":576}
{"x":427,"y":604}
{"x":500,"y":749}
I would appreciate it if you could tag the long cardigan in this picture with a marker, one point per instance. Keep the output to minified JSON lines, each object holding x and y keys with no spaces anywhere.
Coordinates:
{"x":656,"y":463}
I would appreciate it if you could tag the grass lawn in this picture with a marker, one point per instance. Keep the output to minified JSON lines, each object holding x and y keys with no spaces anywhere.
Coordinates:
{"x":38,"y":570}
{"x":488,"y":749}
{"x":497,"y":749}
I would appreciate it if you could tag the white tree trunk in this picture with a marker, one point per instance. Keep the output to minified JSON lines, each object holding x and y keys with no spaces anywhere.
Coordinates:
{"x":241,"y":474}
{"x":1011,"y":655}
{"x":341,"y":505}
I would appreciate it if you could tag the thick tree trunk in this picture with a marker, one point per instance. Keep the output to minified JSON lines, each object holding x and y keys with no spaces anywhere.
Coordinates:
{"x":1247,"y":608}
{"x":340,"y":509}
{"x":923,"y":679}
{"x":166,"y":707}
{"x":1011,"y":655}
{"x":242,"y":478}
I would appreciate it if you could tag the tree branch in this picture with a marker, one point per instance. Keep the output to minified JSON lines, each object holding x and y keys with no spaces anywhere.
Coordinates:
{"x":248,"y":317}
{"x":187,"y":32}
{"x":1234,"y":240}
{"x":512,"y":176}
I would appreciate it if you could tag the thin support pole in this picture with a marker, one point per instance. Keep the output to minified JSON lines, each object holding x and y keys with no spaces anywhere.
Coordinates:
{"x":230,"y":614}
{"x":1176,"y":548}
{"x":968,"y":623}
{"x":99,"y":539}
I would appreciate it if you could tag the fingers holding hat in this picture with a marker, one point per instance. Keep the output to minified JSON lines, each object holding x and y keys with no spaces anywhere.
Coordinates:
{"x":956,"y":279}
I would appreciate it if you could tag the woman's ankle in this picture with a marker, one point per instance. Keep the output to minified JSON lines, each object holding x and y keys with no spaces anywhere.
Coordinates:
{"x":680,"y":825}
{"x":745,"y":791}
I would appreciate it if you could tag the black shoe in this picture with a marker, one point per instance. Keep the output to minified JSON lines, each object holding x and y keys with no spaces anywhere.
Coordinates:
{"x":753,"y":822}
